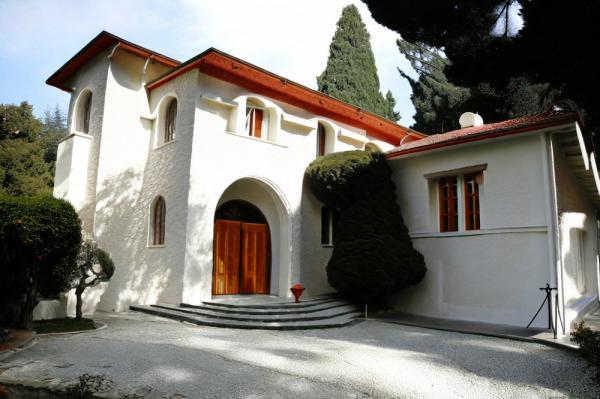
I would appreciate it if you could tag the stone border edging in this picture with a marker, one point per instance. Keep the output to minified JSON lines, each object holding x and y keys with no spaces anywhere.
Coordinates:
{"x":554,"y":344}
{"x":29,"y":342}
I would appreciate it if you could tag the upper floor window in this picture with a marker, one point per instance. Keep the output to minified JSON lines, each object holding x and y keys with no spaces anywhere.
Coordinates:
{"x":329,"y":219}
{"x":256,"y":120}
{"x":448,"y":193}
{"x":321,"y":139}
{"x":450,"y":197}
{"x":170,"y":118}
{"x":157,"y":223}
{"x":83,"y":113}
{"x":471,"y":202}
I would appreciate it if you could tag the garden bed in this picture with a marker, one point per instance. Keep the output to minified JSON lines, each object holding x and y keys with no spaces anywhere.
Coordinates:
{"x":63,"y":325}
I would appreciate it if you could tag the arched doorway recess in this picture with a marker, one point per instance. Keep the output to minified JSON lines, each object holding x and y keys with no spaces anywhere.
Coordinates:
{"x":241,"y":250}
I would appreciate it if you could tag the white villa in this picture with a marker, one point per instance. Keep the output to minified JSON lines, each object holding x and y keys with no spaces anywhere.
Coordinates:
{"x":191,"y":176}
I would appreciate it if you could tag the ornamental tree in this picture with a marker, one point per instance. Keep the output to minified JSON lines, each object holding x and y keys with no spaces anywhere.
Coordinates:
{"x":351,"y":74}
{"x":373,"y":254}
{"x":39,"y":241}
{"x":94,"y":266}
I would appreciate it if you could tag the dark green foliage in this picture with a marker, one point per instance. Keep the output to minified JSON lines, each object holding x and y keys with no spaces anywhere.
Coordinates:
{"x":39,"y":240}
{"x":510,"y":72}
{"x":373,"y":255}
{"x":351,"y":74}
{"x":589,"y":344}
{"x":17,"y":122}
{"x":438,"y":103}
{"x":28,"y":149}
{"x":23,"y":171}
{"x":62,"y":325}
{"x":94,"y":266}
{"x":55,"y":129}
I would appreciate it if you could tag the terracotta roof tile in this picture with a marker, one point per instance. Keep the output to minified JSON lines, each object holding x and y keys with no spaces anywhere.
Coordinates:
{"x":489,"y":130}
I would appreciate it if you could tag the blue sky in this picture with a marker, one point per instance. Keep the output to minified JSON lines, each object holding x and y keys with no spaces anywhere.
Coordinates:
{"x":290,"y":38}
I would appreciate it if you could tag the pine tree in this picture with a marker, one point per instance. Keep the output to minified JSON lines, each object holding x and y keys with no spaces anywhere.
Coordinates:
{"x":351,"y":74}
{"x":54,"y":129}
{"x":438,"y":103}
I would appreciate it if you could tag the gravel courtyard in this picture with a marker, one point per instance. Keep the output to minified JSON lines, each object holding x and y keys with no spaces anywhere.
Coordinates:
{"x":162,"y":358}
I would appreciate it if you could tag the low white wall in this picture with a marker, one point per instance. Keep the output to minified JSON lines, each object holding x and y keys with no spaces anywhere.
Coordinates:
{"x":49,"y":309}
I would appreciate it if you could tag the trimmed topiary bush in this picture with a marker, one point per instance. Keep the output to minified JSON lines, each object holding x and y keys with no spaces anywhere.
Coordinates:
{"x":373,"y":254}
{"x":39,"y":241}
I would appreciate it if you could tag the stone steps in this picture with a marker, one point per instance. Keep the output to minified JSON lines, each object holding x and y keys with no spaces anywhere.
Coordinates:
{"x":310,"y":314}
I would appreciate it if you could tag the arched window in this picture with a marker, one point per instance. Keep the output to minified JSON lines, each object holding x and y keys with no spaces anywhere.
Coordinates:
{"x":158,"y":214}
{"x":321,"y":139}
{"x":170,"y":117}
{"x":83,"y":112}
{"x":256,"y":120}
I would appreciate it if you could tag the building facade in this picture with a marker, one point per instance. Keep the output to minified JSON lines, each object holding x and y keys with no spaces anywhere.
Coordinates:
{"x":192,"y":176}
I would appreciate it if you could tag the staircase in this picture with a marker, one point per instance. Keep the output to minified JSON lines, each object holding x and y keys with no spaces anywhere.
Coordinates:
{"x":318,"y":312}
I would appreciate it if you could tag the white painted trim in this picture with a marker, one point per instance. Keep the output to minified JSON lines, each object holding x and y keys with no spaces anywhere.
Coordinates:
{"x":351,"y":137}
{"x":458,"y":171}
{"x":226,"y":102}
{"x":256,"y":139}
{"x":586,"y":160}
{"x":468,"y":233}
{"x":288,"y":119}
{"x":78,"y":134}
{"x":556,"y":265}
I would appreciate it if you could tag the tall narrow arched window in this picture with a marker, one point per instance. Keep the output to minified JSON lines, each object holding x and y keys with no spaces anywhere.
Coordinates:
{"x":321,"y":140}
{"x":158,"y":215}
{"x":83,"y":112}
{"x":170,"y":117}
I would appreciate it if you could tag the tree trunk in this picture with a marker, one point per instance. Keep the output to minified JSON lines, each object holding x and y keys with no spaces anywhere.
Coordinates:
{"x":79,"y":305}
{"x":26,"y":317}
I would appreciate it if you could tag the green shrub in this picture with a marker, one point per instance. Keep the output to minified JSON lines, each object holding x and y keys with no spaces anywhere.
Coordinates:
{"x":589,"y":344}
{"x":39,"y":241}
{"x":373,"y":254}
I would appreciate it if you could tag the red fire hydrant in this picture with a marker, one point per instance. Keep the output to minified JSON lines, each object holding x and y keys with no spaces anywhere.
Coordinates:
{"x":297,"y":290}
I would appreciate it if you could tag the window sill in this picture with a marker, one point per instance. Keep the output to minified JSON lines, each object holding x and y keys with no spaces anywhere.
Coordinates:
{"x":256,"y":139}
{"x":467,"y":233}
{"x":78,"y":134}
{"x":165,"y":144}
{"x":326,"y":245}
{"x":155,"y":246}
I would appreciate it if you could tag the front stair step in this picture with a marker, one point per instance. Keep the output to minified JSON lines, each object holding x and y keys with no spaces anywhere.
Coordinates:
{"x":324,"y":312}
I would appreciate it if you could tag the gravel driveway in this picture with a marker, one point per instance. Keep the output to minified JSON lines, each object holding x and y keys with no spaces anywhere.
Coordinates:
{"x":371,"y":359}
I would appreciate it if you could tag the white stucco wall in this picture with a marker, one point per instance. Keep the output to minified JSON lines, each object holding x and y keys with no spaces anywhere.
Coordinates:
{"x":577,"y":239}
{"x":210,"y":160}
{"x":492,"y":274}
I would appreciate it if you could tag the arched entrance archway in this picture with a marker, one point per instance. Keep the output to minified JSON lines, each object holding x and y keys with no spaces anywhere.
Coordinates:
{"x":241,"y":250}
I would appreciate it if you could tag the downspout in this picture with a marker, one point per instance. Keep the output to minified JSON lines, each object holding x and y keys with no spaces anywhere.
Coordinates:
{"x":556,"y":264}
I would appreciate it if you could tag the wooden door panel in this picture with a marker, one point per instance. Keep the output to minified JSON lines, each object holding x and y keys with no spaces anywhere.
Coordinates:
{"x":226,"y":257}
{"x":255,"y":259}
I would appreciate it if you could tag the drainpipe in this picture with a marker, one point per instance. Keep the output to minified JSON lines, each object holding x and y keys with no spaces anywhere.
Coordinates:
{"x":554,"y":242}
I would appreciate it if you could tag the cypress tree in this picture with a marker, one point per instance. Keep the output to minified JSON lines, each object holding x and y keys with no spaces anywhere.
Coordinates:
{"x":351,"y":74}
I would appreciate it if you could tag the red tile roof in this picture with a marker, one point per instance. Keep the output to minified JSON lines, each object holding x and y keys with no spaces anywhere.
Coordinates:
{"x":486,"y":131}
{"x":101,"y":42}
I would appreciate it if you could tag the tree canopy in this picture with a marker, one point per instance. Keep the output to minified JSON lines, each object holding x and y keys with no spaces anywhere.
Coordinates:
{"x":511,"y":69}
{"x":372,"y":255}
{"x":28,"y":149}
{"x":351,"y":74}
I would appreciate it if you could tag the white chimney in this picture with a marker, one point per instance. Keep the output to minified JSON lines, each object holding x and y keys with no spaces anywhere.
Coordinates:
{"x":469,"y":119}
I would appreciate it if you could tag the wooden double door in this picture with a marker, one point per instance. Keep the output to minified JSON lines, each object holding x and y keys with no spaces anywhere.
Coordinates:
{"x":241,"y":258}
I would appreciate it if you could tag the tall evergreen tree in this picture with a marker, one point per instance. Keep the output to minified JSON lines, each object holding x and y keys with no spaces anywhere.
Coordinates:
{"x":351,"y":74}
{"x":23,"y":170}
{"x":438,"y":103}
{"x":511,"y":68}
{"x":54,"y":129}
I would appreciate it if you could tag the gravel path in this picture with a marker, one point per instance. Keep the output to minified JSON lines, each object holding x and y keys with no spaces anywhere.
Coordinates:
{"x":370,"y":359}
